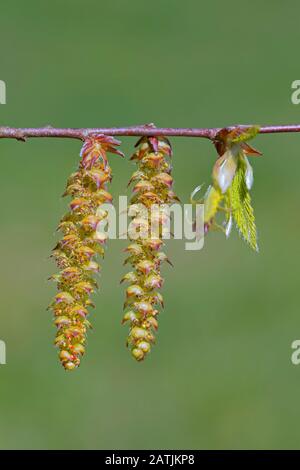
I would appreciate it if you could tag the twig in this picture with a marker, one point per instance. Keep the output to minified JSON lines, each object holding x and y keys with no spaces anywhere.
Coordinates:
{"x":145,"y":130}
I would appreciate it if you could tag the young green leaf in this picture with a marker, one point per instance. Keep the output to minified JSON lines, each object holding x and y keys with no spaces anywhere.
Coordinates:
{"x":239,"y":201}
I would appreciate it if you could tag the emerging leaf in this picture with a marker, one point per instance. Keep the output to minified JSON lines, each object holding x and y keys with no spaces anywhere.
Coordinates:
{"x":244,"y":134}
{"x":239,"y":201}
{"x":232,"y":181}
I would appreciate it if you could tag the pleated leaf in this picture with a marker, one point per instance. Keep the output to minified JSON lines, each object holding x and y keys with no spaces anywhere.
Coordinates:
{"x":239,"y":201}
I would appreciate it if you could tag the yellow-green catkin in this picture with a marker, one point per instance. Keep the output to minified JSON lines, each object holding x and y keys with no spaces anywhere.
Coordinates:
{"x":75,"y":253}
{"x":152,"y":186}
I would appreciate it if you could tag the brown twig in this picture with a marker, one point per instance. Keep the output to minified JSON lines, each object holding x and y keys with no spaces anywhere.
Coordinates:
{"x":144,"y":130}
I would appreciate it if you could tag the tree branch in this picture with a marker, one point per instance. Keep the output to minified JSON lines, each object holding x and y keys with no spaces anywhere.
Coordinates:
{"x":145,"y":130}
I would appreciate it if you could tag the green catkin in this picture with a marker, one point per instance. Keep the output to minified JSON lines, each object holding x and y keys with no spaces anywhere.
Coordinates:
{"x":152,"y":186}
{"x":75,"y":253}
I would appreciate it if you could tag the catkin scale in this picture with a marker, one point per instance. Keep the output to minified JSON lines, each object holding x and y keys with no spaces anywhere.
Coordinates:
{"x":152,"y":185}
{"x":81,"y":242}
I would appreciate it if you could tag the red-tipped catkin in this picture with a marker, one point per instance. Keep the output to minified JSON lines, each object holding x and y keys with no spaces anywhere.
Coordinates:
{"x":75,"y":253}
{"x":152,"y":183}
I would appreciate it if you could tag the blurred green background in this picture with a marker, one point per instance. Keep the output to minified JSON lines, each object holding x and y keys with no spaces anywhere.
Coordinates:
{"x":220,"y":375}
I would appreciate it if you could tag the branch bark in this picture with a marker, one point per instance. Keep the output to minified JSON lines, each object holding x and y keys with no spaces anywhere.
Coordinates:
{"x":145,"y":130}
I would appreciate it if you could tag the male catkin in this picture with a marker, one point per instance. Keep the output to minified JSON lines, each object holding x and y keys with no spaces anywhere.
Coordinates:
{"x":152,"y":187}
{"x":75,"y":253}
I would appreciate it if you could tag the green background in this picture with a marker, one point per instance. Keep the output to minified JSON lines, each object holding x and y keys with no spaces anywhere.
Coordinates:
{"x":220,"y":375}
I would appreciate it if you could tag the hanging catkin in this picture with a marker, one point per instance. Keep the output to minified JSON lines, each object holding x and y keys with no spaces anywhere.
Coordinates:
{"x":152,"y":186}
{"x":75,"y":253}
